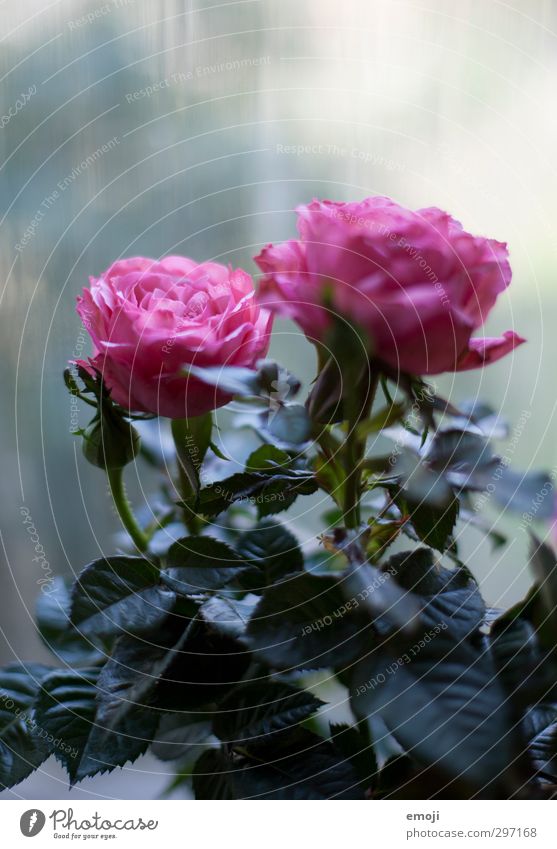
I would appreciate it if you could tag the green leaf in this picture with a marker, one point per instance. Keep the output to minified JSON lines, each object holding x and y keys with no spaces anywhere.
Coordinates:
{"x":398,"y":773}
{"x":420,"y":484}
{"x":218,"y":452}
{"x":460,"y":451}
{"x":434,"y":524}
{"x":483,"y":415}
{"x":111,"y":742}
{"x":520,"y":491}
{"x":212,"y":776}
{"x":270,"y":493}
{"x":228,"y":616}
{"x":233,"y":380}
{"x":268,"y":380}
{"x":542,"y":747}
{"x":275,"y":498}
{"x":383,"y":533}
{"x":73,"y":705}
{"x":267,"y":458}
{"x":275,"y":463}
{"x":304,"y":621}
{"x":536,"y":610}
{"x":276,"y":382}
{"x":382,"y":599}
{"x":136,"y":669}
{"x":382,"y":419}
{"x":92,"y":384}
{"x":57,"y":633}
{"x":272,"y":551}
{"x":460,"y":610}
{"x":24,"y":744}
{"x":544,"y":566}
{"x":419,"y":572}
{"x":349,"y":743}
{"x":519,"y":661}
{"x":379,"y":595}
{"x":206,"y":666}
{"x":331,"y":477}
{"x":66,"y":708}
{"x":290,"y":424}
{"x":192,"y":438}
{"x":119,"y":595}
{"x":109,"y":719}
{"x":443,"y":705}
{"x":181,"y":736}
{"x":200,"y":564}
{"x":312,"y":771}
{"x":468,"y":462}
{"x":255,"y":711}
{"x":450,"y":598}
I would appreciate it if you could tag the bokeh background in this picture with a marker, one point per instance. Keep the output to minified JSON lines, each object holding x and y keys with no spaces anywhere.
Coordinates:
{"x":179,"y":127}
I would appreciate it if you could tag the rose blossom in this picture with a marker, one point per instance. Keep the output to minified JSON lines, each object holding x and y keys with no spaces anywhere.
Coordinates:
{"x":149,"y":319}
{"x":416,"y":282}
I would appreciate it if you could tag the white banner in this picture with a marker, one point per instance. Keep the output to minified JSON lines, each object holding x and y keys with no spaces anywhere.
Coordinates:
{"x":171,"y":824}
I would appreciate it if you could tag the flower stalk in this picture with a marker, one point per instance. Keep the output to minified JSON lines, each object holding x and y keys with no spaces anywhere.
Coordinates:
{"x":192,"y":438}
{"x":124,"y":510}
{"x":357,"y":411}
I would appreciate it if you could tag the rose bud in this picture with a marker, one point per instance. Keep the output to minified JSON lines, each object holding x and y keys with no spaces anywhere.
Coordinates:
{"x":110,"y":442}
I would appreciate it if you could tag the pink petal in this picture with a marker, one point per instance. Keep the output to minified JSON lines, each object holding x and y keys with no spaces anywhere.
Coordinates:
{"x":485,"y":350}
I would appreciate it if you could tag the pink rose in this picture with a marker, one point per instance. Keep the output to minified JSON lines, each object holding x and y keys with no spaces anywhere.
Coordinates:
{"x":150,"y":319}
{"x":416,"y":282}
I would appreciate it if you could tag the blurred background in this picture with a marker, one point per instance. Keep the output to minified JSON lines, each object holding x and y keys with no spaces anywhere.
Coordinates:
{"x":177,"y":127}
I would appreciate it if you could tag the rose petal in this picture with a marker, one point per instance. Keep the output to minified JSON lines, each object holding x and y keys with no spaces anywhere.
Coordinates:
{"x":488,"y":349}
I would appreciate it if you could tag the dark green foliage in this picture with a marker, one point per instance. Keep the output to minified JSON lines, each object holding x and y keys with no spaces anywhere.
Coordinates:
{"x":23,"y":743}
{"x":194,"y":676}
{"x":202,"y":654}
{"x":303,"y":622}
{"x":270,"y":492}
{"x":272,"y":552}
{"x":119,"y":595}
{"x":53,"y":622}
{"x":243,"y":719}
{"x":200,"y":564}
{"x":312,"y":769}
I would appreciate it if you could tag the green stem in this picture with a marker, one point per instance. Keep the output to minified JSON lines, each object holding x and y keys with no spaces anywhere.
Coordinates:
{"x":192,"y":438}
{"x":352,"y":483}
{"x":123,"y":507}
{"x":354,"y":448}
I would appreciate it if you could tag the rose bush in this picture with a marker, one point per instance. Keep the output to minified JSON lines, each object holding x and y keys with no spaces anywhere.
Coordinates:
{"x":150,"y":319}
{"x":200,"y":639}
{"x":414,"y":281}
